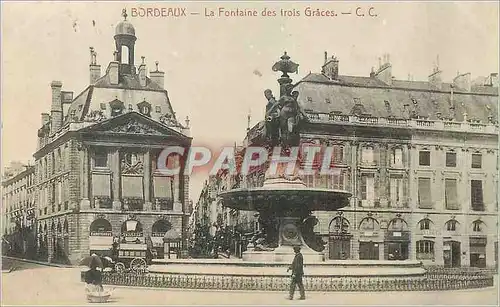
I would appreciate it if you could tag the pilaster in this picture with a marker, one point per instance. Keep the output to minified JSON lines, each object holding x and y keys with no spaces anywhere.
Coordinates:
{"x":84,"y":181}
{"x":147,"y":182}
{"x":115,"y":168}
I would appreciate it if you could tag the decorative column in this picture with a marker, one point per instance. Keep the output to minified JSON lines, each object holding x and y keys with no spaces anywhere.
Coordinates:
{"x":354,"y":175}
{"x":115,"y":168}
{"x":177,"y":187}
{"x":84,"y":179}
{"x":147,"y":182}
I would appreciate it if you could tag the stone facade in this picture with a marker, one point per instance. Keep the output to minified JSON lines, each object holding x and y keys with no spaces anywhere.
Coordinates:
{"x":420,"y":159}
{"x":18,"y":210}
{"x":96,"y":166}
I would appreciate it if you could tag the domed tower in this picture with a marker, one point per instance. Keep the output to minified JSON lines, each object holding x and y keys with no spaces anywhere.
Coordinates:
{"x":125,"y":40}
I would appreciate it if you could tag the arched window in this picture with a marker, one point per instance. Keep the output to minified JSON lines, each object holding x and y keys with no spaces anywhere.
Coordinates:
{"x":100,"y":227}
{"x":160,"y":227}
{"x":478,"y":226}
{"x":339,"y":225}
{"x":368,"y":223}
{"x":452,"y":225}
{"x":124,"y":55}
{"x":397,"y":224}
{"x":425,"y":249}
{"x":425,"y":224}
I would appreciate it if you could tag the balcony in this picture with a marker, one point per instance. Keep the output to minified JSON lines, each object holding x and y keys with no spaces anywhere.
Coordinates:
{"x":163,"y":204}
{"x":103,"y":202}
{"x":133,"y":203}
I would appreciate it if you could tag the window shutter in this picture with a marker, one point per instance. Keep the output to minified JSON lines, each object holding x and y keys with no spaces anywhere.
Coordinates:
{"x":424,"y":198}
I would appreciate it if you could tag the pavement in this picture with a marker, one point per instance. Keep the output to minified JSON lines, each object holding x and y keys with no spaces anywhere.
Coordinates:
{"x":33,"y":284}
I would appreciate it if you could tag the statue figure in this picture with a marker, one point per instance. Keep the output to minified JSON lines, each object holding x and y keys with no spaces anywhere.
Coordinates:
{"x":283,"y":116}
{"x":272,"y":114}
{"x":310,"y":237}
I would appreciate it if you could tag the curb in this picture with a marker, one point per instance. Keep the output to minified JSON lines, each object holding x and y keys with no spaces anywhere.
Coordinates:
{"x":38,"y":262}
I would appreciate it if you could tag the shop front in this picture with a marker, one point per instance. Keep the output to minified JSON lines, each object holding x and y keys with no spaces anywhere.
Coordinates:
{"x":477,"y":251}
{"x":396,"y":245}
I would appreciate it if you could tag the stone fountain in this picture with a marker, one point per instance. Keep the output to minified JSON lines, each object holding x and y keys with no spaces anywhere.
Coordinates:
{"x":284,"y":201}
{"x":285,"y":205}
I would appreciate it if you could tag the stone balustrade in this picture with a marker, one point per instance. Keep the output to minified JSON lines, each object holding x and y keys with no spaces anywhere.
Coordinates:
{"x":409,"y":123}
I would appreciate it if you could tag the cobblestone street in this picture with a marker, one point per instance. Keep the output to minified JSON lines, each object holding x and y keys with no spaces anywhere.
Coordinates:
{"x":35,"y":285}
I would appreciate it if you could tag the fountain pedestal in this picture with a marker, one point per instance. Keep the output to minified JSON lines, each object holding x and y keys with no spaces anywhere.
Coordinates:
{"x":290,"y":235}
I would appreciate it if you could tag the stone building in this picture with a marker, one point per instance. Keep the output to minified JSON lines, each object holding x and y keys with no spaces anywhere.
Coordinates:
{"x":18,"y":210}
{"x":96,"y":162}
{"x":419,"y":157}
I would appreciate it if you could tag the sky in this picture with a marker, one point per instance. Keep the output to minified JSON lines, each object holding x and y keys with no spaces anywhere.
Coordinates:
{"x":217,"y":68}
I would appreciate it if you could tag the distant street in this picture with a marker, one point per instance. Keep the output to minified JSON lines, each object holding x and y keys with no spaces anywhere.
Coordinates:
{"x":38,"y":285}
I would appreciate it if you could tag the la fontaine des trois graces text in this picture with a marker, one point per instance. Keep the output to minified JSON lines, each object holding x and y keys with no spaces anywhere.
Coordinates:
{"x":223,"y":12}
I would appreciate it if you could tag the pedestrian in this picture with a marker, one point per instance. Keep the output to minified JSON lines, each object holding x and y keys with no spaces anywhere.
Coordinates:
{"x":297,"y":268}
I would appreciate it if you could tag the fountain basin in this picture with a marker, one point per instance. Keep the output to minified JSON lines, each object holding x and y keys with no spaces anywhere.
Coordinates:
{"x":320,"y":269}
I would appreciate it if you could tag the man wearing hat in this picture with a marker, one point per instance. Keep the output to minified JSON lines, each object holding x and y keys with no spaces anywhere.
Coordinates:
{"x":297,"y":268}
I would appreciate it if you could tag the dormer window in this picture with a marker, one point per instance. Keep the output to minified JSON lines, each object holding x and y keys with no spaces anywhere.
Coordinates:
{"x":144,"y":108}
{"x":117,"y":107}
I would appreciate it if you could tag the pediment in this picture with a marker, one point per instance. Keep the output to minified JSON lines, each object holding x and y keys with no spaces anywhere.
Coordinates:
{"x":132,"y":123}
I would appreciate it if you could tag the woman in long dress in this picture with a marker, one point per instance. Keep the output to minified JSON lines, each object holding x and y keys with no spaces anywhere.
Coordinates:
{"x":93,"y":280}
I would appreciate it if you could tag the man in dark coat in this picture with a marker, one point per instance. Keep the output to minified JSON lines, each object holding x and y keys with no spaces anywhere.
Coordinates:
{"x":297,"y":268}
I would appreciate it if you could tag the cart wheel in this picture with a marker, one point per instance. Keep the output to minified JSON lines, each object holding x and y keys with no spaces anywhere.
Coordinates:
{"x":119,"y":267}
{"x":138,"y":265}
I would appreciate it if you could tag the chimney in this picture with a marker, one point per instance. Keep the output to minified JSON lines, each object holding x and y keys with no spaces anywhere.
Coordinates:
{"x":435,"y":77}
{"x":331,"y":67}
{"x":384,"y":72}
{"x":463,"y":82}
{"x":186,"y":130}
{"x":45,"y":118}
{"x":112,"y":70}
{"x":95,"y":70}
{"x":56,"y":112}
{"x":157,"y":76}
{"x":142,"y":72}
{"x":493,"y":80}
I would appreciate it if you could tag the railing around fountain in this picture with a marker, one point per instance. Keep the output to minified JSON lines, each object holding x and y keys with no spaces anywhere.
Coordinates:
{"x":437,"y":280}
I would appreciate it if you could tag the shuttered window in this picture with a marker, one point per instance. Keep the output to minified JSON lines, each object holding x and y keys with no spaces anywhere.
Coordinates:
{"x":367,"y":187}
{"x":424,"y":158}
{"x":477,"y":195}
{"x":450,"y":195}
{"x":424,"y":193}
{"x":451,"y":159}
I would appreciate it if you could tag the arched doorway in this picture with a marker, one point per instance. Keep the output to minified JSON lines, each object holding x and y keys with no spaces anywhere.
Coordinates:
{"x":397,"y":240}
{"x":339,"y":238}
{"x":158,"y":231}
{"x":369,"y":248}
{"x":101,"y":237}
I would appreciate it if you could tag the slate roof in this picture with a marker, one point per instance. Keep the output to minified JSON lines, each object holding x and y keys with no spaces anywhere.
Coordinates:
{"x":128,"y":82}
{"x":319,"y":94}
